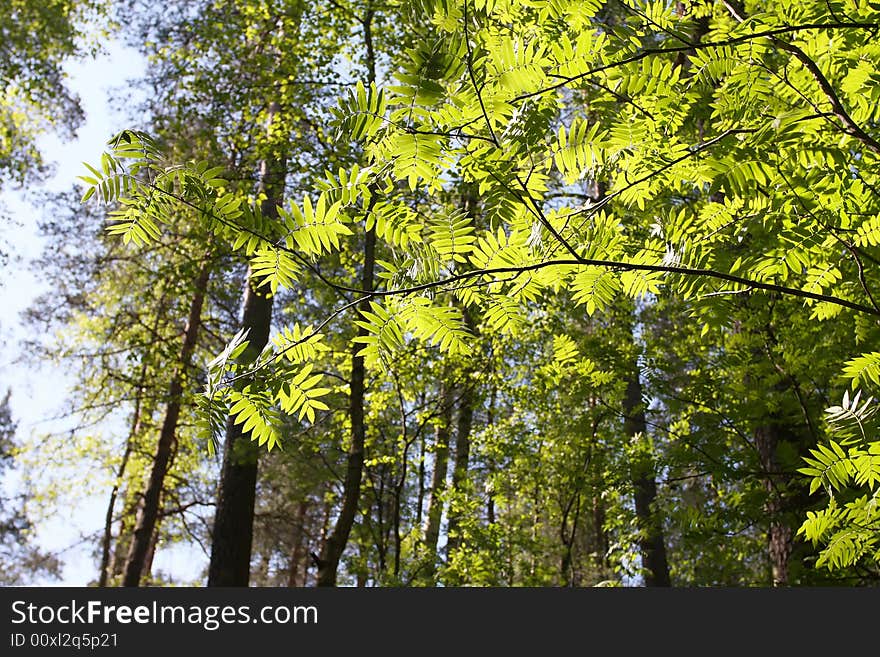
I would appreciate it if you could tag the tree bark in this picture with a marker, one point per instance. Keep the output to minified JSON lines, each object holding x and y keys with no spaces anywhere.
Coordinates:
{"x":470,"y":203}
{"x":120,"y":549}
{"x":149,"y":511}
{"x":600,"y":537}
{"x":299,"y":552}
{"x":651,"y":543}
{"x":147,"y":573}
{"x":104,"y":573}
{"x":335,"y":545}
{"x":779,"y":533}
{"x":462,"y":460}
{"x":328,"y":563}
{"x":420,"y":499}
{"x":233,"y":532}
{"x":112,"y":563}
{"x":438,"y":485}
{"x":232,"y":535}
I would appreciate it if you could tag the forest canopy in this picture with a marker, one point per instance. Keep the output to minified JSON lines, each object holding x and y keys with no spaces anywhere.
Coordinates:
{"x":475,"y":292}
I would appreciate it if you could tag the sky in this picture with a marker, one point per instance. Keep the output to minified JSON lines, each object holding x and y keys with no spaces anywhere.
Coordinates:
{"x":33,"y":402}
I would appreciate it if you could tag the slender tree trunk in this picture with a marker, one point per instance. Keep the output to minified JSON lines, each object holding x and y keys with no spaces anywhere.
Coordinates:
{"x":147,"y":573}
{"x":299,"y":552}
{"x":328,"y":564}
{"x":470,"y":203}
{"x":104,"y":573}
{"x":382,"y":532}
{"x":600,"y":537}
{"x":420,"y":500}
{"x":438,"y":485}
{"x":111,"y":562}
{"x":123,"y":538}
{"x":462,"y":460}
{"x":651,"y":543}
{"x":233,"y":532}
{"x":779,"y":533}
{"x":490,"y":466}
{"x":568,"y":537}
{"x":149,"y":511}
{"x":398,"y":503}
{"x":351,"y":490}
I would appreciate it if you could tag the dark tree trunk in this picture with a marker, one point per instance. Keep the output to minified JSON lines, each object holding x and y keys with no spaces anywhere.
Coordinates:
{"x":420,"y":499}
{"x":462,"y":459}
{"x":147,"y":573}
{"x":112,"y":561}
{"x":298,"y":553}
{"x":119,"y":552}
{"x":779,"y":533}
{"x":335,"y":545}
{"x":232,"y":536}
{"x":149,"y":511}
{"x":328,"y":564}
{"x":470,"y":204}
{"x":651,"y":543}
{"x":568,"y":536}
{"x":104,"y":573}
{"x":490,"y":466}
{"x":438,"y":485}
{"x":233,"y":532}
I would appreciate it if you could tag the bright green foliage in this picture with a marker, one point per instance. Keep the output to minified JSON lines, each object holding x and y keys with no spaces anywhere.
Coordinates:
{"x":724,"y":160}
{"x":254,"y":411}
{"x":293,"y":387}
{"x":37,"y":38}
{"x":848,"y":529}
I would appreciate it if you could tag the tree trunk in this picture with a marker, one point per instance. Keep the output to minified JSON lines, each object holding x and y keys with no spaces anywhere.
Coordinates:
{"x":438,"y":485}
{"x":420,"y":499}
{"x":123,"y":537}
{"x":328,"y":564}
{"x":462,"y":459}
{"x":299,"y":552}
{"x":104,"y":573}
{"x":470,"y":204}
{"x":351,"y":490}
{"x":600,"y":537}
{"x":112,"y":563}
{"x":232,"y":535}
{"x":233,"y":532}
{"x":149,"y":511}
{"x":147,"y":574}
{"x":779,"y":534}
{"x":651,"y":543}
{"x":490,"y":465}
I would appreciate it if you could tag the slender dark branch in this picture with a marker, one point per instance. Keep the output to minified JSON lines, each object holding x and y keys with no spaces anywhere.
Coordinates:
{"x":452,"y":133}
{"x":692,"y":152}
{"x":611,"y":264}
{"x":623,"y":98}
{"x":788,"y":29}
{"x":860,"y":268}
{"x":277,"y":244}
{"x":675,"y":35}
{"x":470,"y":68}
{"x":533,"y":206}
{"x":850,"y":127}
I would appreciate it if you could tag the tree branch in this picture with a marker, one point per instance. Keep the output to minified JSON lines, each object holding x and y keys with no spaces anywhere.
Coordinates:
{"x":850,"y":127}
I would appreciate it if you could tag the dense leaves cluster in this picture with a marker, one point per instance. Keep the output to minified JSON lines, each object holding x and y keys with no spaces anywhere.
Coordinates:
{"x":625,"y":252}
